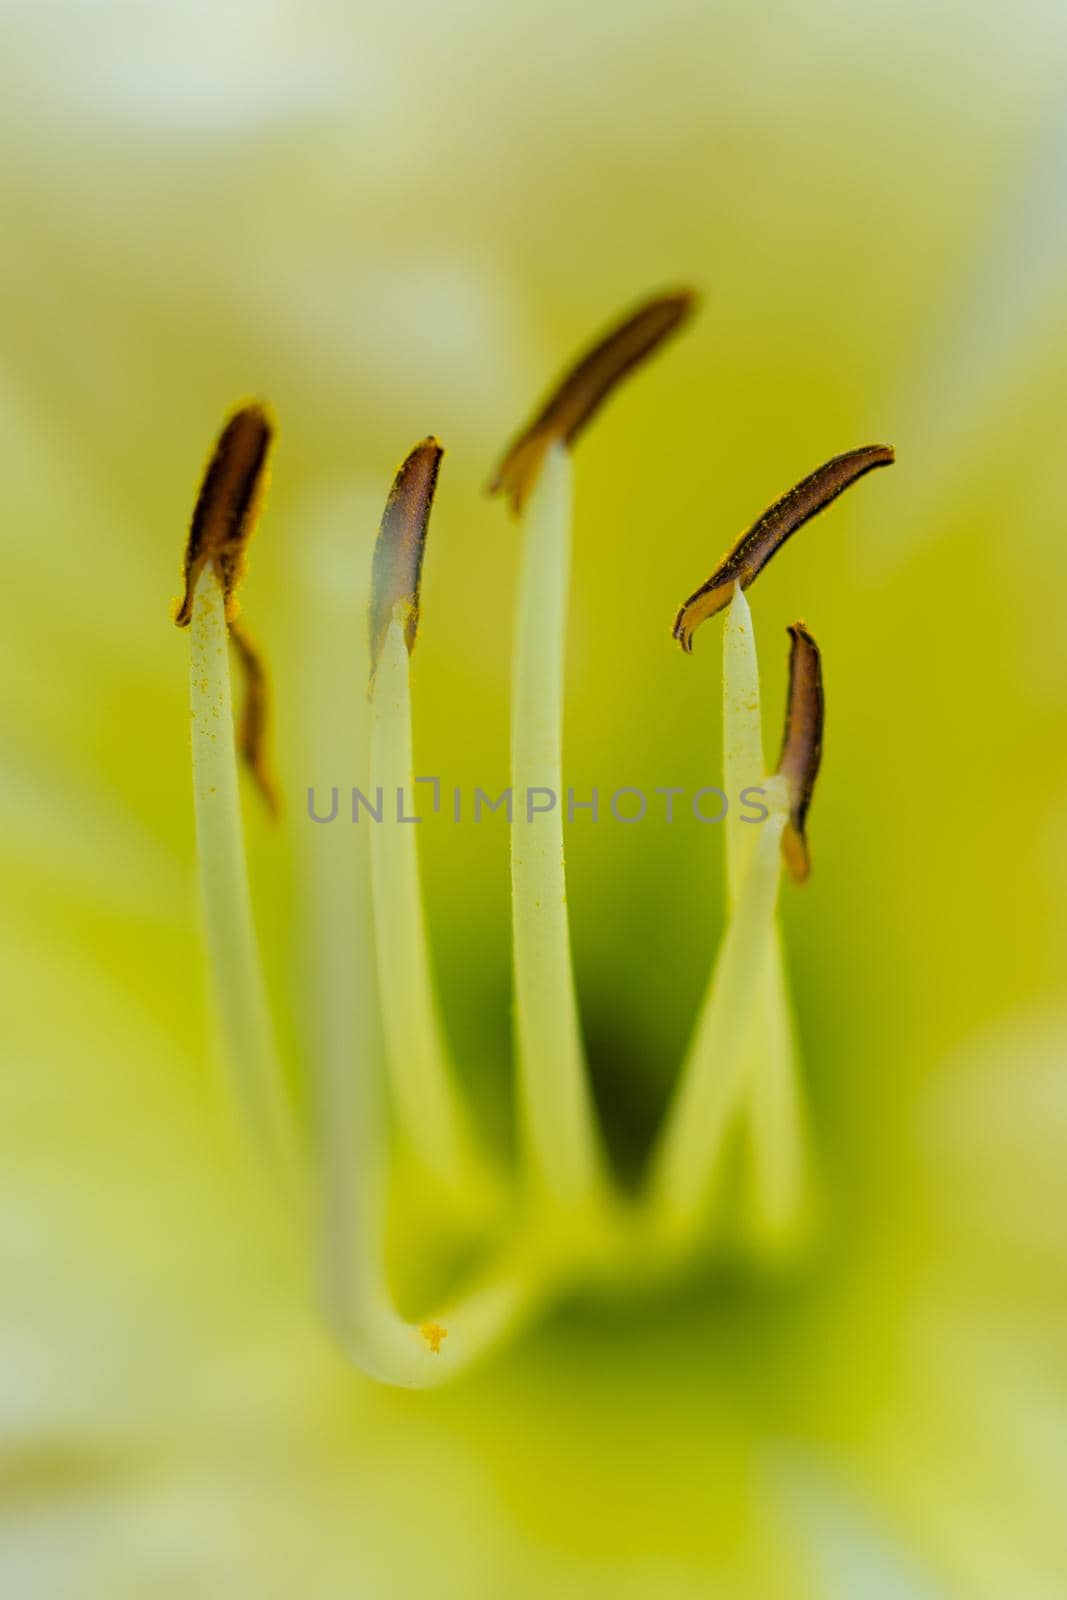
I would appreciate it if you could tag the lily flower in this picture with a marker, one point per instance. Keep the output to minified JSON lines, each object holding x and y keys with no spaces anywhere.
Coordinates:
{"x":791,"y":1330}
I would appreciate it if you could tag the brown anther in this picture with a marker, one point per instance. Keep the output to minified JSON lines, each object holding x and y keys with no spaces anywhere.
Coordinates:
{"x":252,"y":729}
{"x":401,"y":545}
{"x":801,"y":753}
{"x":584,"y":388}
{"x":755,"y":548}
{"x":227,"y":506}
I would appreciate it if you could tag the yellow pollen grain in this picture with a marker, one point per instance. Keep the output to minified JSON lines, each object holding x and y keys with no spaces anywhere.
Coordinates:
{"x":433,"y":1333}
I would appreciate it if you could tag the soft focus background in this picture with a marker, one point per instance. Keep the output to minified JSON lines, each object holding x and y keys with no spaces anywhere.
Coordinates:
{"x":391,"y":219}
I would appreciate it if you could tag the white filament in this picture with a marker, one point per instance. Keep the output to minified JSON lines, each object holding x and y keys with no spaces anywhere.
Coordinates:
{"x":556,"y":1106}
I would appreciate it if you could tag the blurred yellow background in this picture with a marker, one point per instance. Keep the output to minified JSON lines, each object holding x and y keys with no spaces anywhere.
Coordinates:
{"x":391,"y":220}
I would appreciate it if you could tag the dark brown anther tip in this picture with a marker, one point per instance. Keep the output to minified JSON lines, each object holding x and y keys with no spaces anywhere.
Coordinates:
{"x":801,"y":753}
{"x":227,"y":505}
{"x":584,"y":388}
{"x":396,"y":574}
{"x":748,"y":557}
{"x":223,"y":522}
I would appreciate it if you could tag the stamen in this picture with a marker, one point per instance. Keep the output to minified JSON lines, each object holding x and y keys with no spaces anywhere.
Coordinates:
{"x":346,"y":1043}
{"x":584,"y":388}
{"x":223,"y":521}
{"x":754,"y":549}
{"x":341,"y":1022}
{"x":233,"y":951}
{"x":227,"y":506}
{"x":420,"y":1071}
{"x":556,"y":1105}
{"x":777,"y":1125}
{"x":802,"y":744}
{"x":555,"y":1101}
{"x":398,"y":554}
{"x":742,"y":1038}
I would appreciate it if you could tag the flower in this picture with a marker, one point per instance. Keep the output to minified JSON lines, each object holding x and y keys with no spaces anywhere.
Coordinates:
{"x":395,"y":220}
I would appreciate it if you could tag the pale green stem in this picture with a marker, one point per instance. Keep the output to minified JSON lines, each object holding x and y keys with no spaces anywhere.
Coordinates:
{"x":742,"y":734}
{"x":776,"y":1121}
{"x":233,"y":950}
{"x":420,"y":1074}
{"x":346,"y":1033}
{"x":778,"y":1129}
{"x":711,"y":1083}
{"x":351,"y":1136}
{"x":555,"y":1102}
{"x":337,"y":948}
